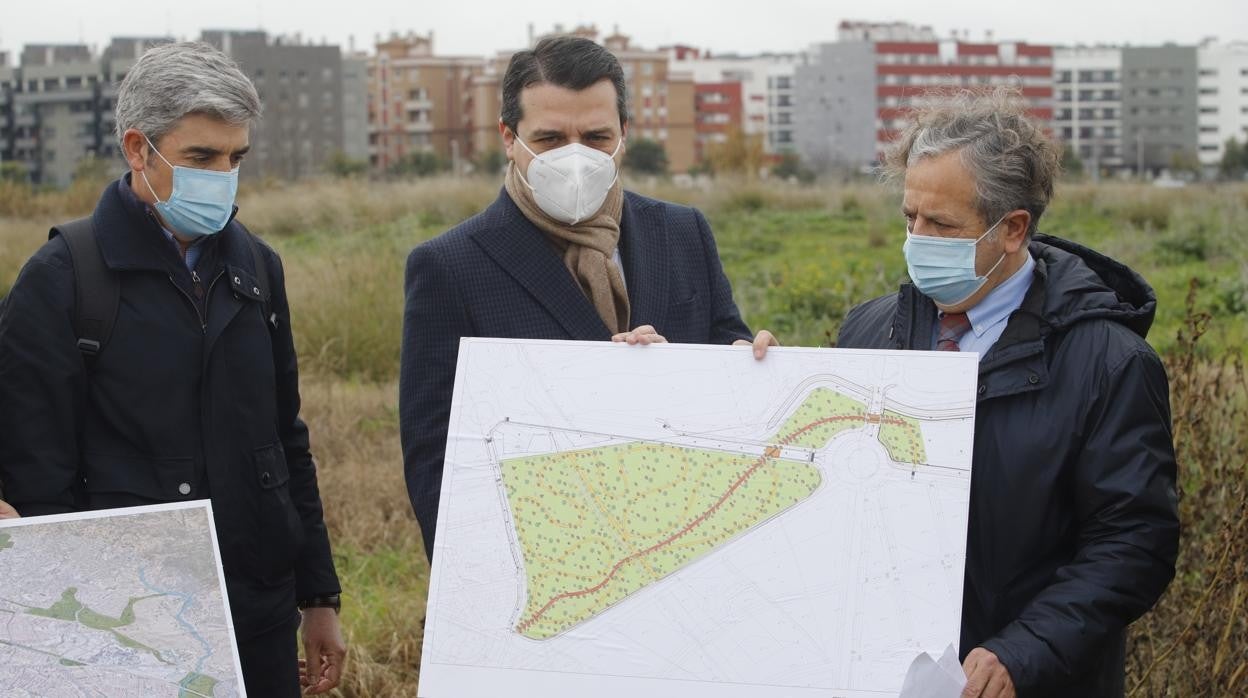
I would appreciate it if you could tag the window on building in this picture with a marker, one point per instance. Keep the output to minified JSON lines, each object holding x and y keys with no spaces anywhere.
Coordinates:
{"x":647,"y":68}
{"x":1208,"y":129}
{"x":1063,"y":76}
{"x":51,"y":84}
{"x":1208,"y":90}
{"x":1086,"y":114}
{"x":1208,"y":110}
{"x":1208,"y":73}
{"x":327,"y":74}
{"x":1067,"y":133}
{"x":1109,"y":132}
{"x":1109,"y":113}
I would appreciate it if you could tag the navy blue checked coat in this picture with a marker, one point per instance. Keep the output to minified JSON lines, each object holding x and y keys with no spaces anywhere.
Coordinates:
{"x":497,"y":275}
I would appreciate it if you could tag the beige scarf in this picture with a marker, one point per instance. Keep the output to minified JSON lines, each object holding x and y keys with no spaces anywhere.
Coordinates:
{"x":587,"y":248}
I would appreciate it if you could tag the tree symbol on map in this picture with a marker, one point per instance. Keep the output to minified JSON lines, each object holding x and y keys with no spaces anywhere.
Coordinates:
{"x":596,"y":525}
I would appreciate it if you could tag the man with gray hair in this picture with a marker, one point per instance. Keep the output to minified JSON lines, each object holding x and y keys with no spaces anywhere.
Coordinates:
{"x":1073,"y":529}
{"x":146,"y":356}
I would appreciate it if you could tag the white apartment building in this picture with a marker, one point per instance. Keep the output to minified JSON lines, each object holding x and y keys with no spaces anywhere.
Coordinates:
{"x":1087,"y":104}
{"x":1222,"y":98}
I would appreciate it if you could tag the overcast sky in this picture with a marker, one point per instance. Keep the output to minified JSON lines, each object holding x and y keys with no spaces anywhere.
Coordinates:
{"x":724,"y":26}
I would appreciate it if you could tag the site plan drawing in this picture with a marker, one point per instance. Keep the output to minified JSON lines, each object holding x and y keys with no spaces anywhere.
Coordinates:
{"x":684,"y":520}
{"x":121,"y":602}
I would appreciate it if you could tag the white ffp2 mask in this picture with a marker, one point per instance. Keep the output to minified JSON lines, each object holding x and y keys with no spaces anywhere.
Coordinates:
{"x":571,"y":182}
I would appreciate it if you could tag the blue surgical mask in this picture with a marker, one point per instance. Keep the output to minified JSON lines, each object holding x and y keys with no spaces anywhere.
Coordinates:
{"x":201,"y":202}
{"x":943,"y":269}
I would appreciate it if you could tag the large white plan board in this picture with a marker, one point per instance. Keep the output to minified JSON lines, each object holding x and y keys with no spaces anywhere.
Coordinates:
{"x":682,"y":520}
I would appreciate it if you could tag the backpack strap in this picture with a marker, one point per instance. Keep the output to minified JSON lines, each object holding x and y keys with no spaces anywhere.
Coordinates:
{"x":97,"y":290}
{"x":262,"y":276}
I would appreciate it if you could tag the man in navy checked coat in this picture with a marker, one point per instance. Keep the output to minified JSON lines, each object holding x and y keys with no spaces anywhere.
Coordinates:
{"x":498,"y":274}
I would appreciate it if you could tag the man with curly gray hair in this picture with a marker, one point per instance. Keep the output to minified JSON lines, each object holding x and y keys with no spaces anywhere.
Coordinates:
{"x":1073,"y":530}
{"x":146,"y":357}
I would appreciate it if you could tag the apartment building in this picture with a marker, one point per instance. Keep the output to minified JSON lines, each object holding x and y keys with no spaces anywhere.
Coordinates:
{"x":1087,"y":107}
{"x":767,"y":92}
{"x":421,"y":102}
{"x":1222,"y":98}
{"x":301,"y":86}
{"x":1159,"y":107}
{"x":53,"y":111}
{"x":855,"y":94}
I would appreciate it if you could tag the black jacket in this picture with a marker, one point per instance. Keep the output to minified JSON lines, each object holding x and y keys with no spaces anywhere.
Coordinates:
{"x":1073,"y":529}
{"x":196,"y":395}
{"x":497,"y":275}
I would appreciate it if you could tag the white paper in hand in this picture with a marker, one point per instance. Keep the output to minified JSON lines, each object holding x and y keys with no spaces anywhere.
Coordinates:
{"x":932,"y":678}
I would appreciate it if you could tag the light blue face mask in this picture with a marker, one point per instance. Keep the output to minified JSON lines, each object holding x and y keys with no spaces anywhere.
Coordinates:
{"x":943,"y":269}
{"x":201,"y":202}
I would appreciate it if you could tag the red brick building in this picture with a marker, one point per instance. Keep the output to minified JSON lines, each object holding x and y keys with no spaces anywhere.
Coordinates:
{"x":906,"y":70}
{"x":718,"y":110}
{"x":856,"y":94}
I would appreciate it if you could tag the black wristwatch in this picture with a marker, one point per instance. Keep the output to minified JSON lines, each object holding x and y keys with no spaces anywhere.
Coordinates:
{"x":333,"y":601}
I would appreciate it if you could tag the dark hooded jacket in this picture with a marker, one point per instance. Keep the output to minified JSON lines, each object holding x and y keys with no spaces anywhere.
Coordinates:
{"x":1073,"y":529}
{"x":195,"y":395}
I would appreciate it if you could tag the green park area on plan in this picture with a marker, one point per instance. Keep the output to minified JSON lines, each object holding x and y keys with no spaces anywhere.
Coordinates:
{"x":598,"y":524}
{"x":595,"y":525}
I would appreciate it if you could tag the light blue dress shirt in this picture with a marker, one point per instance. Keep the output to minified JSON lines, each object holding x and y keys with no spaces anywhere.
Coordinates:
{"x":192,"y":252}
{"x":991,"y":314}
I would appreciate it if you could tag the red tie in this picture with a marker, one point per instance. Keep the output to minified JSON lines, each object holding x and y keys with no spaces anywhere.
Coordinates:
{"x":952,"y":327}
